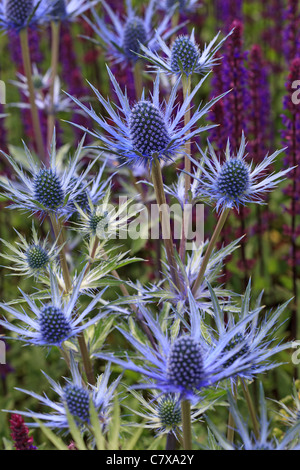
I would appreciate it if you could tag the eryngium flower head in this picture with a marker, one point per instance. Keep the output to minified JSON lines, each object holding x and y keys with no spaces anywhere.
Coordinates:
{"x":18,"y":14}
{"x":52,"y":190}
{"x":235,"y":182}
{"x":149,"y":129}
{"x":54,"y":322}
{"x":69,"y":10}
{"x":122,"y":39}
{"x":134,"y":35}
{"x":163,"y":413}
{"x":184,"y":56}
{"x":186,"y":363}
{"x":265,"y":441}
{"x":75,"y":398}
{"x":30,"y":259}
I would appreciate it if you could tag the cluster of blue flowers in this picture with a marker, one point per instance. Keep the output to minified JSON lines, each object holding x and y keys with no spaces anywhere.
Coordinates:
{"x":189,"y":337}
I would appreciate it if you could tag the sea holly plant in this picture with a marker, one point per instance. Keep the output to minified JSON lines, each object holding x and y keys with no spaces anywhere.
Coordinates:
{"x":158,"y":350}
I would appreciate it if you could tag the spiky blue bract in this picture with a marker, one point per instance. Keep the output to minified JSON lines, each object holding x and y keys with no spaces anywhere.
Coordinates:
{"x":70,"y":10}
{"x":183,"y":57}
{"x":255,"y":339}
{"x":51,"y":190}
{"x":246,"y":440}
{"x":150,"y":128}
{"x":185,"y":363}
{"x":52,"y":323}
{"x":18,"y":14}
{"x":74,"y":397}
{"x":122,"y":37}
{"x":236,"y":182}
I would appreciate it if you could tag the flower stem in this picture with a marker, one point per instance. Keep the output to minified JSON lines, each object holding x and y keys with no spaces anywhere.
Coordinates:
{"x":186,"y":84}
{"x":86,"y":360}
{"x":171,"y":442}
{"x":55,"y":28}
{"x":138,"y":78}
{"x":210,"y":248}
{"x":164,"y":217}
{"x":33,"y":108}
{"x":251,"y":409}
{"x":186,"y":424}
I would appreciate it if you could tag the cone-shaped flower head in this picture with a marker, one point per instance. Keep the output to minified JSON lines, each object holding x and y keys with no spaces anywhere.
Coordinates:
{"x":18,"y":14}
{"x":78,"y":401}
{"x":185,"y":364}
{"x":149,"y":129}
{"x":185,"y":55}
{"x":235,"y":182}
{"x":134,"y":34}
{"x":169,"y":412}
{"x":18,"y":11}
{"x":37,"y":257}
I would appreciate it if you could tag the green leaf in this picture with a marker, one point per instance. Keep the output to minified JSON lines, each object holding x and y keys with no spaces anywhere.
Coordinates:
{"x":56,"y":441}
{"x":96,"y":427}
{"x":76,"y":434}
{"x":114,"y":427}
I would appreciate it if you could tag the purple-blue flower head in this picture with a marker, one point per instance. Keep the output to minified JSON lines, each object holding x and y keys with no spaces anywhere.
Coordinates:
{"x":18,"y":14}
{"x":122,"y":38}
{"x":74,"y":398}
{"x":184,"y":56}
{"x":150,"y":128}
{"x":54,"y":322}
{"x":235,"y":182}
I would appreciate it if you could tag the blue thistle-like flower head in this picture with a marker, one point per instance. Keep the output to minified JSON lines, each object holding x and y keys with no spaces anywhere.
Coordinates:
{"x":54,"y":326}
{"x":30,"y":259}
{"x":134,"y":35}
{"x":74,"y":398}
{"x":149,"y":129}
{"x":185,"y":363}
{"x":37,"y":257}
{"x":122,"y":38}
{"x":169,"y":412}
{"x":18,"y":11}
{"x":48,"y":189}
{"x":54,"y":322}
{"x":234,"y":178}
{"x":18,"y":14}
{"x":78,"y":401}
{"x":54,"y":189}
{"x":235,"y":182}
{"x":184,"y":55}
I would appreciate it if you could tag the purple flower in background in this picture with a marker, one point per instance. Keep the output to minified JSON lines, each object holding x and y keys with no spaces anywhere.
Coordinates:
{"x":291,"y":36}
{"x":291,"y":137}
